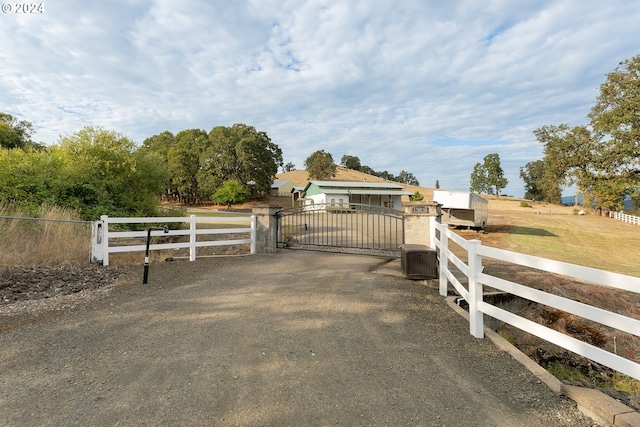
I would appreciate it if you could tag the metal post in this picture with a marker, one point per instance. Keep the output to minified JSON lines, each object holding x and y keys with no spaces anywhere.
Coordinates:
{"x":146,"y":252}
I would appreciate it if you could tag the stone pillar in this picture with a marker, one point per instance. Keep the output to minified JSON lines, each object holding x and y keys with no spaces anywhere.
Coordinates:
{"x":419,"y":222}
{"x":266,"y":228}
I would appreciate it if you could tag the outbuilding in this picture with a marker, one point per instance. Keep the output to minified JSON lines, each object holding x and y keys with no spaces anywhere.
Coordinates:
{"x":281,"y":187}
{"x":462,"y":208}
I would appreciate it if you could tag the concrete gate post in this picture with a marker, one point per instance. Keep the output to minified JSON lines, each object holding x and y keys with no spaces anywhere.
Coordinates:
{"x":266,"y":228}
{"x":419,"y":222}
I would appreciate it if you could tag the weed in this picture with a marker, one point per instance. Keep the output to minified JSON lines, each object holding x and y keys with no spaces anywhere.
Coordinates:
{"x":507,"y":336}
{"x":53,"y":240}
{"x":565,"y":373}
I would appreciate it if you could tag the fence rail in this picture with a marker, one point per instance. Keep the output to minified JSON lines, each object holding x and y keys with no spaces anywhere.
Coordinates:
{"x":477,"y":279}
{"x":103,"y":237}
{"x":625,"y":218}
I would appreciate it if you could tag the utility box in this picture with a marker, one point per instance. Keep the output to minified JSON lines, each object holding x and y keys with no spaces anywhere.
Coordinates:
{"x":419,"y":262}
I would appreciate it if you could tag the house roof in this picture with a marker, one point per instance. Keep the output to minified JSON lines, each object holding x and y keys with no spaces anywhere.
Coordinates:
{"x":279,"y":182}
{"x":357,"y":187}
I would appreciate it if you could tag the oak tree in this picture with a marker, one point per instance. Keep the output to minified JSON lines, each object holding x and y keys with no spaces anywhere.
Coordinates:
{"x":320,"y":165}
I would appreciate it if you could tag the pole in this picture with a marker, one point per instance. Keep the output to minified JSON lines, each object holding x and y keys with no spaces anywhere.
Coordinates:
{"x":145,"y":277}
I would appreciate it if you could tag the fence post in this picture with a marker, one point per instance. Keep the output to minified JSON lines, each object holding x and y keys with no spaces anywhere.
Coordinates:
{"x":266,"y":228}
{"x":105,"y":239}
{"x":97,"y":250}
{"x":476,"y":326}
{"x":192,"y":237}
{"x":444,"y":262}
{"x":253,"y":234}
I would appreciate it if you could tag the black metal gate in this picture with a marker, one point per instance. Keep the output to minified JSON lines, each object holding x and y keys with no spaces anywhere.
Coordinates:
{"x":352,"y":228}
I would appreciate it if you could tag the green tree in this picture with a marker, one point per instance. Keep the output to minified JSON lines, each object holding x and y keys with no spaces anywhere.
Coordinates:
{"x":407,"y":178}
{"x":437,"y":184}
{"x":603,"y":159}
{"x":533,"y":174}
{"x":231,"y":192}
{"x":184,"y":163}
{"x":495,"y":175}
{"x":28,"y":178}
{"x":289,"y":167}
{"x":478,"y":181}
{"x":416,"y":197}
{"x":615,"y":119}
{"x":614,"y":169}
{"x":567,"y":155}
{"x":103,"y":174}
{"x":243,"y":154}
{"x":161,"y":144}
{"x":350,"y":162}
{"x":320,"y":165}
{"x":14,"y":133}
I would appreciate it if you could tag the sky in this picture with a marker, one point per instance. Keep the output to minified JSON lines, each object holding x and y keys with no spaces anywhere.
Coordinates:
{"x":429,"y":87}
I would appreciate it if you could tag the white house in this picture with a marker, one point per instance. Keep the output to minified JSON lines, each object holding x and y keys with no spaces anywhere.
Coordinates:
{"x":345,"y":192}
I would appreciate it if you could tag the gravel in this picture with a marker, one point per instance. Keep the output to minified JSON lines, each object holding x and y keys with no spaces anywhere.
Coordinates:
{"x":289,"y":339}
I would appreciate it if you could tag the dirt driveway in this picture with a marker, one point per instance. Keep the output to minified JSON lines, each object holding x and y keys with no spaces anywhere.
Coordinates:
{"x":289,"y":339}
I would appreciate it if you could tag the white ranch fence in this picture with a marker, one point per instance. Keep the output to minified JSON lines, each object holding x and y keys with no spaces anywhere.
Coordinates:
{"x":473,"y":270}
{"x":105,"y":242}
{"x":625,"y":218}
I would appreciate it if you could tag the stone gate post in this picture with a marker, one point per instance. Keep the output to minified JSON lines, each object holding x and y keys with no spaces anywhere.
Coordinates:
{"x":419,"y":222}
{"x":266,"y":228}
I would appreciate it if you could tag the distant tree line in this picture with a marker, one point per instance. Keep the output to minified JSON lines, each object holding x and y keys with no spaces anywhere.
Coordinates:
{"x":404,"y":177}
{"x":101,"y":172}
{"x":200,"y":163}
{"x":320,"y":165}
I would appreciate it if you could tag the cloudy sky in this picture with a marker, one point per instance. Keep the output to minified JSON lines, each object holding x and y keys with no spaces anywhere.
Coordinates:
{"x":429,"y":86}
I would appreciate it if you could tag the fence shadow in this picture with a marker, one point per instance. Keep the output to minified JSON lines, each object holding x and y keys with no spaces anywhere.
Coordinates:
{"x":528,"y":231}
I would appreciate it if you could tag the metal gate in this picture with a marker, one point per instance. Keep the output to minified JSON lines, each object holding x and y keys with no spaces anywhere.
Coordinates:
{"x":352,"y":228}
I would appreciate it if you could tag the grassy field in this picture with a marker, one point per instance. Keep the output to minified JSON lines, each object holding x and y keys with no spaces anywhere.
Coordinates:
{"x":556,"y":232}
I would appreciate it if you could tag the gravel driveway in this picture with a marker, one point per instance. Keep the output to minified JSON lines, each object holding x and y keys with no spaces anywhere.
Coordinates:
{"x":289,"y":339}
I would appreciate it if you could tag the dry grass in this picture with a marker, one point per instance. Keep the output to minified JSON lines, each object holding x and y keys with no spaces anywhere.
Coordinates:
{"x":556,"y":232}
{"x":50,"y":242}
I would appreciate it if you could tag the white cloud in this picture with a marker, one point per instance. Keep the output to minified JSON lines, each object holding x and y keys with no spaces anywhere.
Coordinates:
{"x":428,"y":87}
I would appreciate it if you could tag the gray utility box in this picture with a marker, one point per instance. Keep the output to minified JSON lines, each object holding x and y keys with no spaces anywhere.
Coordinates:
{"x":419,"y":262}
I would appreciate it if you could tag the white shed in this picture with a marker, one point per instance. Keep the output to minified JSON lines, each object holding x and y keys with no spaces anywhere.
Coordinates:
{"x":462,"y":208}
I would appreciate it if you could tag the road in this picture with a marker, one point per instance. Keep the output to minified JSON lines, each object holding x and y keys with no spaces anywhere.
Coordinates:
{"x":288,"y":339}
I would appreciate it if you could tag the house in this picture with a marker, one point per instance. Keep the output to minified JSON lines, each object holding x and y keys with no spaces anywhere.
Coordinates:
{"x":281,"y":188}
{"x":383,"y":194}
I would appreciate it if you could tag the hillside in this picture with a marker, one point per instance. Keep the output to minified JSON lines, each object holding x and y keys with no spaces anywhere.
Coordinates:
{"x":301,"y":177}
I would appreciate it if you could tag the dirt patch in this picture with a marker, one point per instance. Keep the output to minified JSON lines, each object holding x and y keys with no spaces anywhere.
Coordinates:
{"x":29,"y":283}
{"x":30,"y":294}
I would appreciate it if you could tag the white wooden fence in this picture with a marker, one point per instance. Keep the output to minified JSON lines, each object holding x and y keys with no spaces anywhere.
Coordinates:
{"x":473,"y":270}
{"x":105,"y":242}
{"x":625,"y":218}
